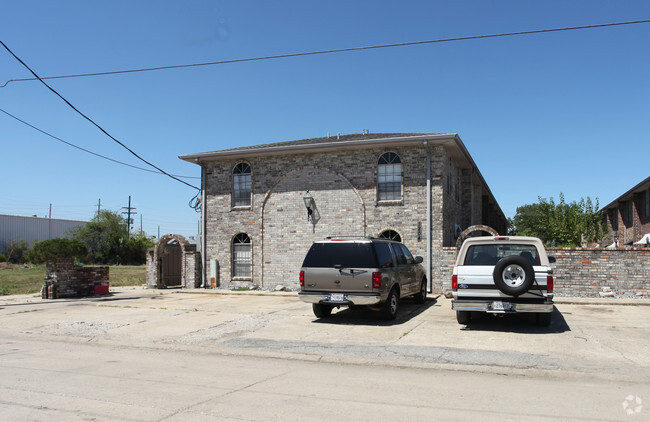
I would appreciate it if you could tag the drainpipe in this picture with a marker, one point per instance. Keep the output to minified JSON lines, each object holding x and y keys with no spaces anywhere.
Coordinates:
{"x":428,"y":225}
{"x":202,"y":234}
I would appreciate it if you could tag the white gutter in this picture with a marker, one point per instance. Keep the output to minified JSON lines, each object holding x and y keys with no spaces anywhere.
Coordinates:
{"x":428,"y":225}
{"x":263,"y":150}
{"x":205,"y":283}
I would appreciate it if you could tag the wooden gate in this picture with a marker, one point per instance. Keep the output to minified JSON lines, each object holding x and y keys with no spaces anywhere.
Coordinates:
{"x":172,"y":265}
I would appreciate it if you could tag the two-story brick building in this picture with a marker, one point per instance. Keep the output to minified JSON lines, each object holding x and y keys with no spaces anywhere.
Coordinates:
{"x":264,"y":205}
{"x":628,"y":216}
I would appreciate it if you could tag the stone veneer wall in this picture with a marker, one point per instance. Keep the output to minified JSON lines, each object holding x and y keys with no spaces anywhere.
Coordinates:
{"x":344,"y":187}
{"x":71,"y":281}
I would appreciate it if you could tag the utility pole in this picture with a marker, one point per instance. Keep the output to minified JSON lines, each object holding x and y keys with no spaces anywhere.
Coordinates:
{"x":99,"y":207}
{"x":49,"y":224}
{"x":140,"y":224}
{"x":129,"y":212}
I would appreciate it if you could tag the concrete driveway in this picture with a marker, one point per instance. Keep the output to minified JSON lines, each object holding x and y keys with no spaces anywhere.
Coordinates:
{"x":585,"y":337}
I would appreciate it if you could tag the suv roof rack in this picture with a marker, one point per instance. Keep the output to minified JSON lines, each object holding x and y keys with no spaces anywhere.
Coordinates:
{"x":349,"y":237}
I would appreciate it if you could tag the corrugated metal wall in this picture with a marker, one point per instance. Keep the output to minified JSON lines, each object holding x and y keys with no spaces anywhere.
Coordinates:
{"x":15,"y":228}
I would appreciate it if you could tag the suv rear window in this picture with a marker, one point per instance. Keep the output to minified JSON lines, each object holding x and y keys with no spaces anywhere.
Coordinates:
{"x":348,"y":255}
{"x":491,"y":254}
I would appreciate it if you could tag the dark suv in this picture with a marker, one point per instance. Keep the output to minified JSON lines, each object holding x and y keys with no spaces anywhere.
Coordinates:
{"x":368,"y":271}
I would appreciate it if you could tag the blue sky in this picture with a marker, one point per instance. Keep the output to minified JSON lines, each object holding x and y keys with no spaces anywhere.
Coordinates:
{"x":540,"y":114}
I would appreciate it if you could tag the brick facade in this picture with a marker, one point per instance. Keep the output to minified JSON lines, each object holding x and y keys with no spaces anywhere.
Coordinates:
{"x":343,"y":184}
{"x":628,"y":217}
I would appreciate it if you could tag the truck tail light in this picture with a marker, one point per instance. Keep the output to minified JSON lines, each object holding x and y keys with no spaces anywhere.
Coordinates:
{"x":549,"y":283}
{"x":302,"y":279}
{"x":376,"y":280}
{"x":454,"y":282}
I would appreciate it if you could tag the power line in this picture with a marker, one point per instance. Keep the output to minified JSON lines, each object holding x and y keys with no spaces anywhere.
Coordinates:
{"x":86,"y":150}
{"x":93,"y":122}
{"x":331,"y":51}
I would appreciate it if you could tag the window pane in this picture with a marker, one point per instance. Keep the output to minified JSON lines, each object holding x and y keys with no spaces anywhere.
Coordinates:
{"x":349,"y":255}
{"x":241,"y":188}
{"x":389,"y":180}
{"x":241,"y":256}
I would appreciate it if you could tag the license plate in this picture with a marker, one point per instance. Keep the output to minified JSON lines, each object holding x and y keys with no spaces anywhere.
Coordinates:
{"x":337,"y":297}
{"x":500,"y":306}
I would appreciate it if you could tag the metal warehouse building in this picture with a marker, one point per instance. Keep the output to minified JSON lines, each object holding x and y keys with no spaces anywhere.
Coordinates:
{"x":14,"y":228}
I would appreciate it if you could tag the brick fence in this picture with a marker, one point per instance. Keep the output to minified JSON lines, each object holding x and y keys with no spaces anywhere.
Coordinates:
{"x":578,"y":272}
{"x":585,"y":272}
{"x":64,"y":279}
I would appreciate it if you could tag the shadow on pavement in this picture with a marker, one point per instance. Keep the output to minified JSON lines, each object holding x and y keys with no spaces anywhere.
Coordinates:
{"x":408,"y":309}
{"x":516,"y":323}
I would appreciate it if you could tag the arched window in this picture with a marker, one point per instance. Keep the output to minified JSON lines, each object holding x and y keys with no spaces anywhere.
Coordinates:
{"x":389,"y":177}
{"x":241,"y":185}
{"x":241,"y":256}
{"x":391,"y":235}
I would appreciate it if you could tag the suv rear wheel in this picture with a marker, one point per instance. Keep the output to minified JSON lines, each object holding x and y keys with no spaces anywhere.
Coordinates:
{"x":389,"y":309}
{"x":421,"y":296}
{"x":321,"y":311}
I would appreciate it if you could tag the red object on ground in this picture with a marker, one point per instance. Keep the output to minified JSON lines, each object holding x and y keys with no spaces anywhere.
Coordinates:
{"x":99,"y":289}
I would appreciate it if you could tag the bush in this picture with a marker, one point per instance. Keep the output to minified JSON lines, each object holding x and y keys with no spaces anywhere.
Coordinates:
{"x":3,"y":258}
{"x":50,"y":250}
{"x":17,"y":251}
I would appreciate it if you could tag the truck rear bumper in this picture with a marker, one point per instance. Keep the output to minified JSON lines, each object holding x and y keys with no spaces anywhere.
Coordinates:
{"x":345,"y":299}
{"x":501,"y":307}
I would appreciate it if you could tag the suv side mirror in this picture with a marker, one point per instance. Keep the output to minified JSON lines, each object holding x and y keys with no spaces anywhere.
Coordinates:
{"x":552,"y":259}
{"x":419,"y":260}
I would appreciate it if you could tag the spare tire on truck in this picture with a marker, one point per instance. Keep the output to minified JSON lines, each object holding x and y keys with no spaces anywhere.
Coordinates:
{"x":514,"y":275}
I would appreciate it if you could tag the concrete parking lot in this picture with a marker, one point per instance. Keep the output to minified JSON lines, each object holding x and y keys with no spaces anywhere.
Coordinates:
{"x":588,"y":338}
{"x":153,"y":355}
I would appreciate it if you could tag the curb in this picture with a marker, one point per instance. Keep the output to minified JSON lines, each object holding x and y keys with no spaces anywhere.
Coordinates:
{"x":557,"y":300}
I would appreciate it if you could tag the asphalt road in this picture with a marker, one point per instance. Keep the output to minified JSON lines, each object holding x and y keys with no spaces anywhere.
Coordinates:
{"x":148,"y":355}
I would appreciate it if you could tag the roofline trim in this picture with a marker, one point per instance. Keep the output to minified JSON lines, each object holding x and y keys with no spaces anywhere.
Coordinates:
{"x":194,"y":158}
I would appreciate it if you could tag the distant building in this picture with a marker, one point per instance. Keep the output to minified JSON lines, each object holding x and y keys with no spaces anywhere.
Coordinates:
{"x":14,"y":228}
{"x":264,"y":205}
{"x":628,"y":216}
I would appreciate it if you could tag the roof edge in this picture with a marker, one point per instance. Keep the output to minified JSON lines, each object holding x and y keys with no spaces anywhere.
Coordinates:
{"x":195,"y":158}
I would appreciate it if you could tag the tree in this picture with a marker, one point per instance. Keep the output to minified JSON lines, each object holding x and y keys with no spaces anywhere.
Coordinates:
{"x":50,"y":250}
{"x":17,"y":251}
{"x":107,"y":238}
{"x":566,"y":224}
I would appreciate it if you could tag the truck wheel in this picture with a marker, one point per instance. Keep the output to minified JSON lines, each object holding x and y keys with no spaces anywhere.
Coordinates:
{"x":463,"y":317}
{"x":513,"y":275}
{"x":321,"y":311}
{"x":389,"y":309}
{"x":421,"y":296}
{"x":543,"y":318}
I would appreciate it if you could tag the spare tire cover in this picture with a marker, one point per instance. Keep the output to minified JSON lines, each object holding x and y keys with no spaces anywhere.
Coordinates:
{"x":514,"y":275}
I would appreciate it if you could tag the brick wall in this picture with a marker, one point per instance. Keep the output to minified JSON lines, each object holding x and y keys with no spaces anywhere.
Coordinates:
{"x":585,"y":272}
{"x":71,"y":281}
{"x":344,"y":187}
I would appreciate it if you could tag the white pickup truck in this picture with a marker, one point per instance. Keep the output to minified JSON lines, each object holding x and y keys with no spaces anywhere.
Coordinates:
{"x":502,"y":274}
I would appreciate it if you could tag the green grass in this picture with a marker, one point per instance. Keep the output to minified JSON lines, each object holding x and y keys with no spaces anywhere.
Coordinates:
{"x":17,"y":280}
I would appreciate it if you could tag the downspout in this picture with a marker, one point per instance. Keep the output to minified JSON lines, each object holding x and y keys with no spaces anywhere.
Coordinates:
{"x":428,"y":225}
{"x":203,"y":235}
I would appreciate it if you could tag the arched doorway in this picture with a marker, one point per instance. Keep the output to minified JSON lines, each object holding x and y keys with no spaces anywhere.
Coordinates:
{"x":171,"y":264}
{"x":174,"y":262}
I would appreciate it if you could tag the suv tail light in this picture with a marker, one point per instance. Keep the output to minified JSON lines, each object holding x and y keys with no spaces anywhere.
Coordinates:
{"x":302,"y":279}
{"x":549,"y":283}
{"x":454,"y":282}
{"x":376,"y":280}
